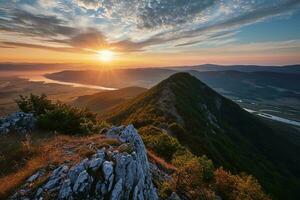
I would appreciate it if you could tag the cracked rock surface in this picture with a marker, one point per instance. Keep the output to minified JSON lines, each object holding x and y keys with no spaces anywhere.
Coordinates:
{"x":108,"y":174}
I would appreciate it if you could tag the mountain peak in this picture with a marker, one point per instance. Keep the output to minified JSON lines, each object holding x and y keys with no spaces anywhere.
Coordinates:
{"x":182,"y":77}
{"x":211,"y":124}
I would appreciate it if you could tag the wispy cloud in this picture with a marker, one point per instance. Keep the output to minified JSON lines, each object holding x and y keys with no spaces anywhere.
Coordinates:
{"x":131,"y":25}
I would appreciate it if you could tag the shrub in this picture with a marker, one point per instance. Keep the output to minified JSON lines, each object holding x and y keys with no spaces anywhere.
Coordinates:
{"x":160,"y":142}
{"x":67,"y":119}
{"x":190,"y":179}
{"x":34,"y":104}
{"x":238,"y":186}
{"x":193,"y":175}
{"x":59,"y":116}
{"x":165,"y":190}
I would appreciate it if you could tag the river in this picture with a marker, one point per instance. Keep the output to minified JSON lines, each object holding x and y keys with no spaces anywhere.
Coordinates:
{"x":42,"y":78}
{"x":273,"y":117}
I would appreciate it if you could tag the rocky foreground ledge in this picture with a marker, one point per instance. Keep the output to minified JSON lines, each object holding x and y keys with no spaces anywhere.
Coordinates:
{"x":108,"y":174}
{"x":18,"y":122}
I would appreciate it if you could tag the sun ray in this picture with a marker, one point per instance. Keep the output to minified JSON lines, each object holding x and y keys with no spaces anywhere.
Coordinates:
{"x":106,"y":55}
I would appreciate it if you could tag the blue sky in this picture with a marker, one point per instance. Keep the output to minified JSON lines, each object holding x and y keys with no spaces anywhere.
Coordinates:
{"x":191,"y":28}
{"x":277,"y":29}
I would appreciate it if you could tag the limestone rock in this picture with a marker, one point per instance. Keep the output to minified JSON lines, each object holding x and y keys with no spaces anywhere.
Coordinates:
{"x":83,"y":184}
{"x":116,"y":194}
{"x":76,"y":170}
{"x":95,"y":163}
{"x":66,"y":192}
{"x":34,"y":177}
{"x":108,"y":174}
{"x":19,"y":122}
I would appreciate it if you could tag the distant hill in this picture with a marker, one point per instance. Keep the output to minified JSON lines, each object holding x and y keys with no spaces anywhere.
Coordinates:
{"x":117,"y":78}
{"x":205,"y":67}
{"x":207,"y":123}
{"x":103,"y":101}
{"x":279,"y":89}
{"x":270,"y":86}
{"x":294,"y":69}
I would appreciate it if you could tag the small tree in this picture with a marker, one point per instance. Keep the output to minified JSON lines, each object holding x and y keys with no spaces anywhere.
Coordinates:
{"x":59,"y":116}
{"x":34,"y":104}
{"x":67,"y":119}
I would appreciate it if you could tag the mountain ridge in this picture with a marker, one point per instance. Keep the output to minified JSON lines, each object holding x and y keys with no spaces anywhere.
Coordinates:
{"x":215,"y":126}
{"x":103,"y":101}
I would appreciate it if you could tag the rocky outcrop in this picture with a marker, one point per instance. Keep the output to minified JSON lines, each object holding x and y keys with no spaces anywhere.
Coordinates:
{"x":19,"y":122}
{"x":108,"y":174}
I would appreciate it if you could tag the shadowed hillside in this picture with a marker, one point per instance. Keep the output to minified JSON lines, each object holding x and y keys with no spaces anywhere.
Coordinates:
{"x":210,"y":124}
{"x":267,"y":86}
{"x":103,"y":101}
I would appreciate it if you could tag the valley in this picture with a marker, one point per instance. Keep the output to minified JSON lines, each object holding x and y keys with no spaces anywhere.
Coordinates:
{"x":266,"y":89}
{"x":12,"y":87}
{"x":262,"y":84}
{"x":187,"y":109}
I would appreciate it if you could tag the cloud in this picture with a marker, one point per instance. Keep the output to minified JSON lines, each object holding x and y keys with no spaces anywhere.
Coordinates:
{"x":48,"y":3}
{"x":218,"y":36}
{"x":130,"y":46}
{"x":5,"y":47}
{"x":251,"y":16}
{"x":26,"y":23}
{"x":89,"y":4}
{"x":91,"y":38}
{"x":259,"y":47}
{"x":131,"y":25}
{"x":44,"y":47}
{"x":159,"y":13}
{"x":231,"y":23}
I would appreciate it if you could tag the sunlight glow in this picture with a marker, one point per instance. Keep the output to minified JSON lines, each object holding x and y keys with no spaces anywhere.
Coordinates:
{"x":106,"y":55}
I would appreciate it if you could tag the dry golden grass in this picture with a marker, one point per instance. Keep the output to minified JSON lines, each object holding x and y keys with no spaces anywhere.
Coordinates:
{"x":12,"y":181}
{"x":54,"y":151}
{"x":61,"y":149}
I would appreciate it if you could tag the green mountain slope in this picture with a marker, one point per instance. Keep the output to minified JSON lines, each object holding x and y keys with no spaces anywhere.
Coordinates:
{"x":102,"y":101}
{"x":217,"y":127}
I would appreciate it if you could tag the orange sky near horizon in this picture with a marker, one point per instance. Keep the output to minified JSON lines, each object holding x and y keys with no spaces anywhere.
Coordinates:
{"x":143,"y":59}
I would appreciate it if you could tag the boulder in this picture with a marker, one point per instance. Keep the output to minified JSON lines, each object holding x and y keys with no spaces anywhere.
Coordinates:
{"x":95,"y":163}
{"x":34,"y":177}
{"x":116,"y":194}
{"x":77,"y":169}
{"x":52,"y":183}
{"x":108,"y":169}
{"x":19,"y":122}
{"x":83,"y":184}
{"x":66,"y":192}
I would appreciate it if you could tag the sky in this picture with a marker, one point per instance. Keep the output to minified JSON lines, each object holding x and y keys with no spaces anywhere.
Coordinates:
{"x":150,"y":32}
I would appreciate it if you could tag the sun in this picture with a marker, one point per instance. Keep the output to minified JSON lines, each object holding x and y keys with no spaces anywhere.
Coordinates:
{"x":106,"y":55}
